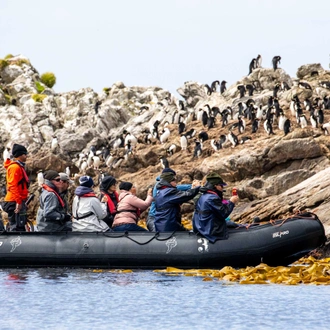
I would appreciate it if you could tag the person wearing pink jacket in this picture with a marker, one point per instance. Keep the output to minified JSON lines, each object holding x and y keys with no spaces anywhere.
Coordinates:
{"x":129,"y":208}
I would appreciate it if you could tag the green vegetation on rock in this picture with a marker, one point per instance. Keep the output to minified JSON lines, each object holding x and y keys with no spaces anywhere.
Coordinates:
{"x":3,"y":64}
{"x":8,"y":56}
{"x":38,"y":97}
{"x":39,"y":87}
{"x":49,"y":79}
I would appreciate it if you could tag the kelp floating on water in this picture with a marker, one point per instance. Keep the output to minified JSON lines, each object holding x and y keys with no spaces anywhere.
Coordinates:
{"x":305,"y":271}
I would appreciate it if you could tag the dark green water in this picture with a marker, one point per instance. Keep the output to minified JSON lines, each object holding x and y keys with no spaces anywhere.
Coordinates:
{"x":83,"y":299}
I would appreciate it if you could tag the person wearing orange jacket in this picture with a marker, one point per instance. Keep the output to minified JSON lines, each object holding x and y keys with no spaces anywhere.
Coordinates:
{"x":17,"y":189}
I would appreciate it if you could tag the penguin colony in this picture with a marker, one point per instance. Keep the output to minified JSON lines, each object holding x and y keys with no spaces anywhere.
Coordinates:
{"x":206,"y":129}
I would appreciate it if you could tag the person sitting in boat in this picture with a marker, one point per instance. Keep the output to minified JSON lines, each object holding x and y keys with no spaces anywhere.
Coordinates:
{"x":129,"y":208}
{"x":152,"y":210}
{"x":52,"y":215}
{"x":168,"y":201}
{"x":87,"y":210}
{"x":210,"y":214}
{"x":109,"y":195}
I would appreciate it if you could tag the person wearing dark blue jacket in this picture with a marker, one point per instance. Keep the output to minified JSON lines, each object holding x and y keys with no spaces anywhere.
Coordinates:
{"x":210,"y":214}
{"x":168,"y":201}
{"x":152,"y":210}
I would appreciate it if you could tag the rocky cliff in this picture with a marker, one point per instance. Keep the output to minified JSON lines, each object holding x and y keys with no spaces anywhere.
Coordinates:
{"x":277,"y":170}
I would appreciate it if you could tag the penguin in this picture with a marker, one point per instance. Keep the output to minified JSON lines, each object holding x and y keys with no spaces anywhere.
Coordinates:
{"x":250,"y":89}
{"x":241,"y":125}
{"x":308,"y":104}
{"x":203,"y":136}
{"x":166,"y":134}
{"x":287,"y":126}
{"x":54,"y":143}
{"x":109,"y":161}
{"x":181,"y":105}
{"x":96,"y":106}
{"x":182,"y":127}
{"x":183,"y":142}
{"x":175,"y":117}
{"x":258,"y":61}
{"x":320,"y":116}
{"x":164,"y":162}
{"x":224,"y":117}
{"x":92,"y":150}
{"x":326,"y":128}
{"x":200,"y":114}
{"x":83,"y":166}
{"x":313,"y":121}
{"x":261,"y":113}
{"x":210,"y":122}
{"x":276,"y":89}
{"x":189,"y":117}
{"x":117,"y":162}
{"x":255,"y":125}
{"x":232,"y":139}
{"x":222,"y":139}
{"x":242,"y":90}
{"x":252,"y":65}
{"x":268,"y":126}
{"x":190,"y":134}
{"x":198,"y":149}
{"x":207,"y":89}
{"x":205,"y":118}
{"x":67,"y":171}
{"x":105,"y":153}
{"x":6,"y":154}
{"x":215,"y":85}
{"x":276,"y":60}
{"x":281,"y":121}
{"x":40,"y":178}
{"x":325,"y":84}
{"x":284,"y":86}
{"x":216,"y":146}
{"x":96,"y":162}
{"x":244,"y":139}
{"x":302,"y":120}
{"x":171,"y":149}
{"x":119,"y":142}
{"x":304,"y":85}
{"x":130,"y":137}
{"x":223,"y":87}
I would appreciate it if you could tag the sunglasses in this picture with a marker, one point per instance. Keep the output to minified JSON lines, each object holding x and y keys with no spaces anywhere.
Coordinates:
{"x":57,"y":180}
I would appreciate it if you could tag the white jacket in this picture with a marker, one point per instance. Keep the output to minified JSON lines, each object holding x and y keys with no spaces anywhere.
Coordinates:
{"x":95,"y":211}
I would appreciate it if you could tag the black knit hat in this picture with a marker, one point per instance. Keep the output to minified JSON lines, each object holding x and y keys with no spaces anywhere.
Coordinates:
{"x":51,"y":175}
{"x":18,"y":150}
{"x":126,"y":186}
{"x":168,"y":175}
{"x":107,"y":182}
{"x":215,"y":179}
{"x":86,"y":181}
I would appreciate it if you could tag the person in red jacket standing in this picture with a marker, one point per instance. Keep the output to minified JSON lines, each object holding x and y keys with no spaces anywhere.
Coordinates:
{"x":17,"y":189}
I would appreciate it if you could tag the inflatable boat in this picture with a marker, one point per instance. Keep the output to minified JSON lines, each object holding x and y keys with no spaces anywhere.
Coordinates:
{"x":275,"y":243}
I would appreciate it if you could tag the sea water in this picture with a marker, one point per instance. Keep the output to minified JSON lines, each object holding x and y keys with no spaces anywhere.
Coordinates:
{"x":55,"y":298}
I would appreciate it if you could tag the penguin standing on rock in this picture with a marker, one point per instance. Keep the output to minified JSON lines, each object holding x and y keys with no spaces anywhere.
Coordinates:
{"x":242,"y":90}
{"x":171,"y":149}
{"x":198,"y":149}
{"x":183,"y":142}
{"x":215,"y":85}
{"x":252,"y":66}
{"x":287,"y":126}
{"x":233,"y":139}
{"x":250,"y":89}
{"x":268,"y":126}
{"x":258,"y":61}
{"x":182,"y":127}
{"x":276,"y":60}
{"x":164,"y":162}
{"x":223,"y":86}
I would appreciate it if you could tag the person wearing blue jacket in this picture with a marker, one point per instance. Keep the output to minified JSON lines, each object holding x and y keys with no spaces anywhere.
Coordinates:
{"x":168,"y":200}
{"x":210,"y":214}
{"x":152,"y":210}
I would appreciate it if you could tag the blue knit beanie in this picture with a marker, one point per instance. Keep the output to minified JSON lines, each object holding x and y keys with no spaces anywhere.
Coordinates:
{"x":86,"y":181}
